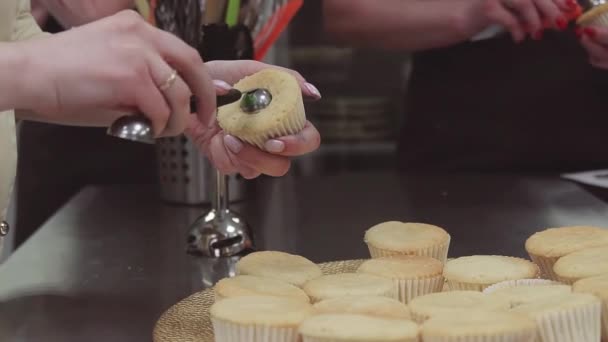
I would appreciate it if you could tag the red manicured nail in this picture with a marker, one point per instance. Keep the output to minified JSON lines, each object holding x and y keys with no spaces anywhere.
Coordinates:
{"x":590,"y":31}
{"x":561,"y":23}
{"x":572,"y":3}
{"x":579,"y":32}
{"x":538,"y":35}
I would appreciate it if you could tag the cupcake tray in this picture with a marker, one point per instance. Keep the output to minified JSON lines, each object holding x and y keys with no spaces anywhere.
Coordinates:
{"x":189,"y":320}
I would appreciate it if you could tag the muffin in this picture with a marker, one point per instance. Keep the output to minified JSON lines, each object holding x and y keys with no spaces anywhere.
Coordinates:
{"x":547,"y":246}
{"x":565,"y":317}
{"x":597,"y":286}
{"x":400,"y":238}
{"x":582,"y":264}
{"x":357,"y":328}
{"x":524,"y":294}
{"x":348,"y":284}
{"x":376,"y":306}
{"x":597,"y":16}
{"x":412,"y":275}
{"x":290,"y":268}
{"x":246,"y":285}
{"x":477,"y":272}
{"x":258,"y":318}
{"x":441,"y":303}
{"x":479,"y":326}
{"x":284,"y":115}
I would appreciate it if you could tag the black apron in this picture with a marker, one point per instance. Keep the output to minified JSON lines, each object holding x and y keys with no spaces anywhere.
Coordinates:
{"x":495,"y":105}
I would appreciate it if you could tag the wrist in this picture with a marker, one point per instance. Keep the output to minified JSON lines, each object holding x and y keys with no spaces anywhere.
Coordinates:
{"x":13,"y":73}
{"x":470,"y":20}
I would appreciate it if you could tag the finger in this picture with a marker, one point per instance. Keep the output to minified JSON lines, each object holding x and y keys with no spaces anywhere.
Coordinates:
{"x":219,"y":156}
{"x":551,"y":12}
{"x":499,"y":14}
{"x":152,"y":103}
{"x":598,"y":54}
{"x":192,"y":69}
{"x":248,"y":173}
{"x":254,"y":158}
{"x":598,"y":35}
{"x":529,"y":15}
{"x":233,"y":71}
{"x":306,"y":141}
{"x":177,"y":95}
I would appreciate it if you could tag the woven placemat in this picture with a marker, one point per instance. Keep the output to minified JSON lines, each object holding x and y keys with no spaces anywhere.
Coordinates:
{"x":188,"y":320}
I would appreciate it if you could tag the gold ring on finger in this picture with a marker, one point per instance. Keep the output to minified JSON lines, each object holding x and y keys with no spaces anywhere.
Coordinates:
{"x":169,"y":82}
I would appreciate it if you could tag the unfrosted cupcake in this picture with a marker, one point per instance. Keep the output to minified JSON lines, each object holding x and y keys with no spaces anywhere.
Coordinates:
{"x":357,"y":328}
{"x":290,"y":268}
{"x":376,"y":306}
{"x":401,"y":238}
{"x":565,"y":318}
{"x":597,"y":286}
{"x":547,"y":246}
{"x":479,"y":326}
{"x":348,"y":284}
{"x":582,"y":264}
{"x":246,"y":285}
{"x":597,"y":16}
{"x":283,"y":116}
{"x":524,"y":294}
{"x":452,"y":302}
{"x":258,"y":319}
{"x":477,"y":272}
{"x":412,"y":275}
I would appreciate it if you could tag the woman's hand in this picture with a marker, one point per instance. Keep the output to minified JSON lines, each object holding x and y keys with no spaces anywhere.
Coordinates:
{"x":228,"y":153}
{"x":118,"y":63}
{"x":595,"y":41}
{"x":524,"y":17}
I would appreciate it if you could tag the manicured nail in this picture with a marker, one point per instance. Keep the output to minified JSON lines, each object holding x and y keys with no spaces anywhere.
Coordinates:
{"x":222,"y":85}
{"x":313,"y":90}
{"x":234,"y":145}
{"x":572,"y":4}
{"x":561,"y":23}
{"x":590,"y":31}
{"x":538,"y":35}
{"x":274,"y":146}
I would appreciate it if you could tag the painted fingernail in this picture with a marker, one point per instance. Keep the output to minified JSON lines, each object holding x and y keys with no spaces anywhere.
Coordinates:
{"x":274,"y":146}
{"x":538,"y":35}
{"x":222,"y":85}
{"x":572,"y":3}
{"x":313,"y":90}
{"x":234,"y":145}
{"x":590,"y":32}
{"x":561,"y":23}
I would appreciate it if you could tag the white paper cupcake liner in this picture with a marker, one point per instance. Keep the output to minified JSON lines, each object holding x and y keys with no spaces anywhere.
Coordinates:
{"x":389,"y":293}
{"x":292,"y":125}
{"x":407,"y":289}
{"x":599,"y":20}
{"x":524,"y":336}
{"x":519,"y":282}
{"x":232,"y":332}
{"x":318,"y":339}
{"x":439,"y":252}
{"x":580,"y":324}
{"x":605,"y":320}
{"x":545,"y":264}
{"x":460,"y":286}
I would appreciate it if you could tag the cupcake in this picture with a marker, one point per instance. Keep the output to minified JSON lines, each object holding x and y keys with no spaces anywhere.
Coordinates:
{"x":477,"y":272}
{"x":283,"y":116}
{"x":582,"y":264}
{"x":412,"y":275}
{"x":399,"y":238}
{"x":246,"y":285}
{"x":597,"y":286}
{"x":357,"y":328}
{"x":549,"y":245}
{"x":290,"y":268}
{"x":258,"y":319}
{"x":442,"y":303}
{"x":596,"y":16}
{"x":376,"y":306}
{"x":348,"y":284}
{"x":566,"y":317}
{"x":524,"y":294}
{"x":479,"y":326}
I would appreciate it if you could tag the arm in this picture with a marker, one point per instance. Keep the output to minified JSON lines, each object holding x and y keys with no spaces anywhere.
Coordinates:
{"x":11,"y":65}
{"x":401,"y":24}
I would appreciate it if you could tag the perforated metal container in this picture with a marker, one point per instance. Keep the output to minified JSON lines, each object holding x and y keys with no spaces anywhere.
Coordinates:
{"x":187,"y":177}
